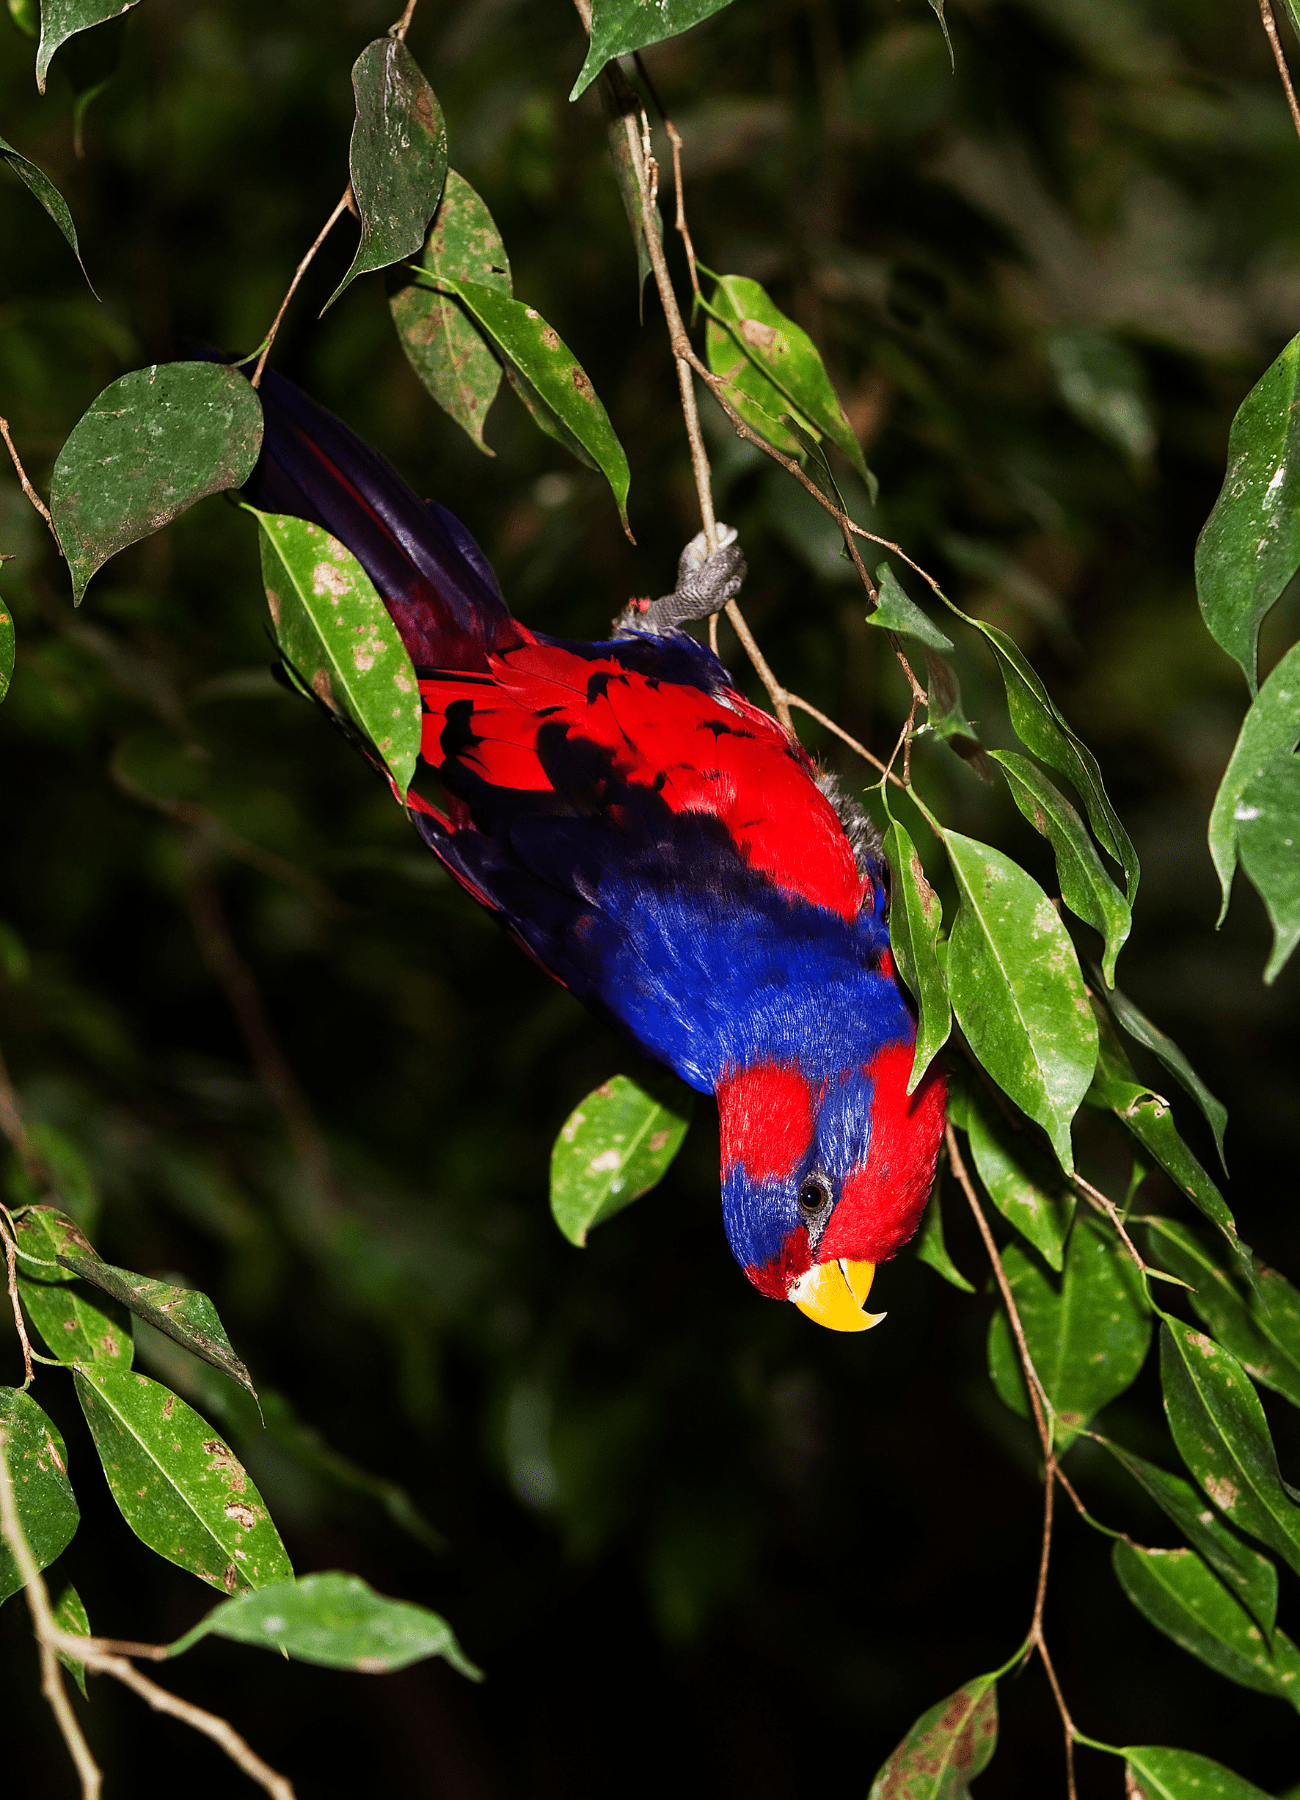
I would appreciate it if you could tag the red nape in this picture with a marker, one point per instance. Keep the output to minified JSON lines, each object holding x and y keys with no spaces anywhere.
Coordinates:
{"x":881,"y":1203}
{"x":775,"y":1277}
{"x":765,"y":1120}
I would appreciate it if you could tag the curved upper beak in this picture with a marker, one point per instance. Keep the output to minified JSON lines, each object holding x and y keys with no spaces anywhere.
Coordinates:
{"x":833,"y":1293}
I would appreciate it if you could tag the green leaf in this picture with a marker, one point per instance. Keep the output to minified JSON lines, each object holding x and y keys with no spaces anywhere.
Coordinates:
{"x":1250,"y":546}
{"x":936,"y":7}
{"x":70,"y":1615}
{"x":1245,"y":1573}
{"x":182,"y":1491}
{"x":26,"y":15}
{"x":8,"y":649}
{"x":618,"y":27}
{"x":1087,"y":1337}
{"x":550,"y":381}
{"x":915,"y":916}
{"x":62,"y":19}
{"x":1028,"y":1192}
{"x":1265,"y":1336}
{"x":1223,"y":1437}
{"x":1017,"y":991}
{"x":72,"y":1328}
{"x":1086,"y":888}
{"x":1268,"y":840}
{"x":946,"y":1749}
{"x":42,"y":1234}
{"x":1103,"y":383}
{"x":1166,"y":1052}
{"x":1181,"y":1597}
{"x":446,"y":351}
{"x":397,"y":158}
{"x":1155,"y":1773}
{"x":184,"y":1314}
{"x":337,"y":1621}
{"x":38,"y":1468}
{"x":38,"y":183}
{"x":629,"y":189}
{"x":897,"y":611}
{"x":931,"y":1249}
{"x":152,"y":444}
{"x":1271,"y":728}
{"x":614,"y":1147}
{"x":945,"y":715}
{"x":791,"y":374}
{"x":339,"y":638}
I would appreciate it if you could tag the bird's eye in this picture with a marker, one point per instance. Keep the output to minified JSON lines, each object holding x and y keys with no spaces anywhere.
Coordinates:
{"x":814,"y":1193}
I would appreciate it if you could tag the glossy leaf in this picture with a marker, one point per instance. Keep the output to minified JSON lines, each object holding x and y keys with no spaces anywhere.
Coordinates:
{"x":1268,"y":841}
{"x":42,"y":1234}
{"x":897,"y":611}
{"x":1156,"y":1773}
{"x":184,"y":1314}
{"x":1086,"y":888}
{"x":614,"y":1147}
{"x":786,"y":360}
{"x":1250,"y":546}
{"x":1087,"y":1335}
{"x":338,"y":638}
{"x":1243,"y":1571}
{"x":915,"y":916}
{"x":1028,"y":1192}
{"x":1016,"y":989}
{"x":38,"y":1468}
{"x":182,"y":1491}
{"x":931,"y":1249}
{"x":444,"y":348}
{"x":1181,"y":1597}
{"x":38,"y":183}
{"x":8,"y":649}
{"x":62,"y":19}
{"x":72,"y":1328}
{"x":151,"y":445}
{"x":946,"y":1749}
{"x":1223,"y":1437}
{"x":1167,"y":1053}
{"x":549,"y":379}
{"x":618,"y":27}
{"x":397,"y":158}
{"x":70,"y":1615}
{"x":1270,"y":729}
{"x":337,"y":1621}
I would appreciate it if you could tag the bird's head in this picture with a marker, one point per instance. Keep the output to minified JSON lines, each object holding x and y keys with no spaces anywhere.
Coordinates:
{"x":822,"y":1179}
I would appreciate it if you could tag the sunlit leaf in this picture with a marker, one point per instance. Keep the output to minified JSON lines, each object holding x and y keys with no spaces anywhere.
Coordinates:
{"x":1024,"y":1186}
{"x":62,"y":19}
{"x":897,"y":611}
{"x":931,"y":1249}
{"x":1017,"y":991}
{"x":74,"y":1330}
{"x":1155,"y":1773}
{"x":1182,"y":1597}
{"x":1270,"y":729}
{"x":8,"y":649}
{"x":915,"y":916}
{"x":1222,"y":1435}
{"x":152,"y":444}
{"x":1103,"y":383}
{"x":1086,"y":888}
{"x":337,"y":1621}
{"x":70,"y":1615}
{"x":38,"y":1468}
{"x":182,"y":1491}
{"x":1250,"y":546}
{"x":1166,"y":1052}
{"x":946,"y":1749}
{"x":614,"y":1147}
{"x":443,"y":346}
{"x":618,"y":27}
{"x":1268,"y":841}
{"x":39,"y":184}
{"x":397,"y":158}
{"x":339,"y":638}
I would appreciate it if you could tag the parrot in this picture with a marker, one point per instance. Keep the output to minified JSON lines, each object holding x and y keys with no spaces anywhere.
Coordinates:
{"x":666,"y":850}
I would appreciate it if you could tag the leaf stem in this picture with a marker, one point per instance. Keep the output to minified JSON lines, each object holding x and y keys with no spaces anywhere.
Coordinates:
{"x":27,"y":487}
{"x":344,"y":202}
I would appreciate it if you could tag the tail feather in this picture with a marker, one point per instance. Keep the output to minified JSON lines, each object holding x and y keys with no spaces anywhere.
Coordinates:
{"x":433,"y":578}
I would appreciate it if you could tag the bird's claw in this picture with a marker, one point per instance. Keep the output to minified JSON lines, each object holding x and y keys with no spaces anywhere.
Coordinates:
{"x":704,"y":585}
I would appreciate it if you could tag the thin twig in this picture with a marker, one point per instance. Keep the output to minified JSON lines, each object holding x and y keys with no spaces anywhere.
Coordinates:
{"x":28,"y":489}
{"x":219,"y":1730}
{"x":1105,"y":1204}
{"x":302,"y":268}
{"x":1071,"y":1730}
{"x":11,"y":1270}
{"x":403,"y":25}
{"x":1270,"y":26}
{"x":845,"y":737}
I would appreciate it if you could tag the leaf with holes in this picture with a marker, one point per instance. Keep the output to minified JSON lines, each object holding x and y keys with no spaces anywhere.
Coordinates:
{"x":442,"y":345}
{"x":38,"y":1468}
{"x":897,"y":611}
{"x":39,"y":184}
{"x":397,"y":158}
{"x":614,"y":1147}
{"x":339,"y":639}
{"x":1268,"y":841}
{"x":182,"y":1491}
{"x":915,"y":917}
{"x":1157,"y":1773}
{"x":1250,"y":546}
{"x":337,"y":1621}
{"x":1270,"y":729}
{"x":62,"y":19}
{"x":1028,"y":1192}
{"x":946,"y":1749}
{"x":73,"y":1329}
{"x":1017,"y":991}
{"x":1167,"y":1053}
{"x":618,"y":27}
{"x":1086,"y":888}
{"x":151,"y":445}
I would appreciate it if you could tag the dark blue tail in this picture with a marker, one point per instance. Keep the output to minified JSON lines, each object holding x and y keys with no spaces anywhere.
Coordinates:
{"x":435,"y":581}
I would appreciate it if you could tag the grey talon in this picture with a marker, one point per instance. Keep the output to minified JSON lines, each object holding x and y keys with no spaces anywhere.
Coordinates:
{"x":704,"y":585}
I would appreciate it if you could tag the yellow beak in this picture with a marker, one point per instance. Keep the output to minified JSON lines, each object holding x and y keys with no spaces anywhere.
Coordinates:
{"x":833,"y":1293}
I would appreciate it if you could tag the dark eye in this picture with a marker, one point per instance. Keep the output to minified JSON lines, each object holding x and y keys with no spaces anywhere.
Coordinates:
{"x":814,"y":1193}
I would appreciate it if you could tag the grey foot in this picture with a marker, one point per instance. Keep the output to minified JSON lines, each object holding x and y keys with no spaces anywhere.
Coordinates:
{"x":704,"y":585}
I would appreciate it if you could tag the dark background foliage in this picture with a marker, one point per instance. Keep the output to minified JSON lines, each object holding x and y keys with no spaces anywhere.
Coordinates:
{"x":696,"y":1544}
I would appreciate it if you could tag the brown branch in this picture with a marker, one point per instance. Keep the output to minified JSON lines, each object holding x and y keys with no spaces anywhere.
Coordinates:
{"x":1071,"y":1730}
{"x":221,"y":1731}
{"x":403,"y":25}
{"x":1104,"y":1204}
{"x":27,"y":487}
{"x":11,"y":1275}
{"x":305,"y":264}
{"x":1270,"y":26}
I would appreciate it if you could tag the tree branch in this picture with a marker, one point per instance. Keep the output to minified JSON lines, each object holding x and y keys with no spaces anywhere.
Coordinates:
{"x":27,"y":487}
